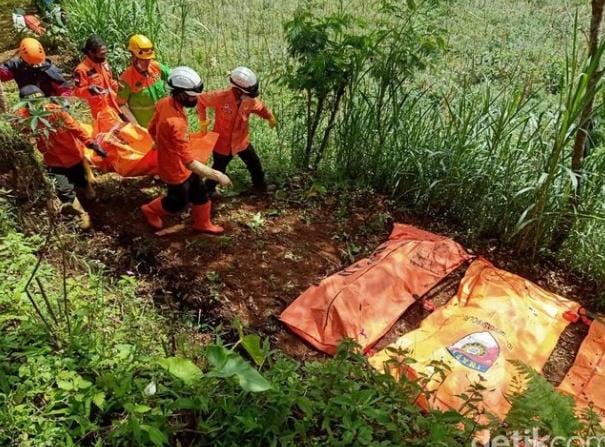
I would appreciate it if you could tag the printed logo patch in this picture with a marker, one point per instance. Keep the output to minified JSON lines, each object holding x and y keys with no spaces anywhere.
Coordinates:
{"x":476,"y":351}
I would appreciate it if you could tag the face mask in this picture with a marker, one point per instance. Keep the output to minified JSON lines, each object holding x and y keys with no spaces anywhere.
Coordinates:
{"x":188,"y":101}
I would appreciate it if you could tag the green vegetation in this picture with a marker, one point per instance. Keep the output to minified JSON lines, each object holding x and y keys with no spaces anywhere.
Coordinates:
{"x":466,"y":110}
{"x":450,"y":107}
{"x":73,"y":374}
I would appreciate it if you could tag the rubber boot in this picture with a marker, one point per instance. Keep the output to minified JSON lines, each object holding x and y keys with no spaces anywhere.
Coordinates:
{"x":84,"y":217}
{"x":89,"y":192}
{"x":201,"y":219}
{"x":154,"y":211}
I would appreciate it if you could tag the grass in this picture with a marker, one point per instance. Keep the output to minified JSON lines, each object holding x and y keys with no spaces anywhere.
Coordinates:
{"x":465,"y":137}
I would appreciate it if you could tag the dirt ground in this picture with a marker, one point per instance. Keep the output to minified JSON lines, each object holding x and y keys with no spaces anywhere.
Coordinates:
{"x":276,"y":246}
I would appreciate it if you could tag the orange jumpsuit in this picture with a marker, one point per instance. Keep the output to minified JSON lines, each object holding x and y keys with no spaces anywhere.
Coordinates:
{"x":63,"y":150}
{"x":231,"y":118}
{"x":169,"y":129}
{"x":63,"y":147}
{"x":90,"y":73}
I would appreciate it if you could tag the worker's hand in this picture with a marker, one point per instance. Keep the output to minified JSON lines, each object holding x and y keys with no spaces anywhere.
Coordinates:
{"x":97,"y":150}
{"x":272,"y":122}
{"x":96,"y":90}
{"x":204,"y":126}
{"x":123,"y":117}
{"x":222,"y":179}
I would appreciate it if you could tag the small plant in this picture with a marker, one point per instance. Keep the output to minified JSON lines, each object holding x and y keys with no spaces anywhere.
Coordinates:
{"x":257,"y":222}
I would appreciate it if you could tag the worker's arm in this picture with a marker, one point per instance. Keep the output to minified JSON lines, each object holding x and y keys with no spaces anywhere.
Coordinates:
{"x":6,"y":71}
{"x":60,"y":85}
{"x":122,"y":98}
{"x":84,"y":89}
{"x":180,"y":139}
{"x":77,"y":131}
{"x":202,"y":170}
{"x":264,"y":112}
{"x":153,"y":126}
{"x":205,"y":101}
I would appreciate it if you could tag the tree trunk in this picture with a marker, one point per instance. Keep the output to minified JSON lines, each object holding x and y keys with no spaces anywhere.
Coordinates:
{"x":312,"y":129}
{"x":585,"y":125}
{"x":324,"y":142}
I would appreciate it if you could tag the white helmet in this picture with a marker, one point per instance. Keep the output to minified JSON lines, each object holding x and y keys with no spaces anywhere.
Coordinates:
{"x":245,"y":80}
{"x":187,"y":79}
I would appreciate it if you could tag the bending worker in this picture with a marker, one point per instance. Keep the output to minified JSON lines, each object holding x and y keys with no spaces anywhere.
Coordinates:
{"x":142,"y":84}
{"x":32,"y":68}
{"x":177,"y":167}
{"x":232,"y":109}
{"x":62,"y":145}
{"x":94,"y":82}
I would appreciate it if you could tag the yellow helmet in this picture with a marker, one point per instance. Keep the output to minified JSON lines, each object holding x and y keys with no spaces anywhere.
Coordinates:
{"x":141,"y":47}
{"x":31,"y":51}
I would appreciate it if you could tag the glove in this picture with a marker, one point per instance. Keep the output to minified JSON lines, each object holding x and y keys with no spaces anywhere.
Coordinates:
{"x":204,"y":126}
{"x":96,"y":90}
{"x":97,"y":149}
{"x":272,"y":122}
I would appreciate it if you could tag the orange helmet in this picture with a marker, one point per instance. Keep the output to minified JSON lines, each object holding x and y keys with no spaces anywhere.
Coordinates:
{"x":31,"y":51}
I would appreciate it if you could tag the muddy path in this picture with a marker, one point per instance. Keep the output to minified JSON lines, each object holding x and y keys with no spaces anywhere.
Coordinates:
{"x":275,"y":247}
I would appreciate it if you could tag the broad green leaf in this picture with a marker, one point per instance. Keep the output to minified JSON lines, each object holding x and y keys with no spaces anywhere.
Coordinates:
{"x":99,"y":400}
{"x":82,"y":384}
{"x":251,"y":344}
{"x":156,"y":436}
{"x":183,"y":369}
{"x":230,"y":364}
{"x":66,"y":385}
{"x":141,"y":409}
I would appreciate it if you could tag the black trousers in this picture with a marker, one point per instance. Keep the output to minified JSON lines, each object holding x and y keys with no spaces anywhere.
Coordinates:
{"x":251,"y":160}
{"x":191,"y":190}
{"x":67,"y":179}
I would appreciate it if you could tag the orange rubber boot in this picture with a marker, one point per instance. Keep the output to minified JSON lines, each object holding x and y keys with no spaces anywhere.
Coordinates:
{"x":154,"y":211}
{"x":201,"y":219}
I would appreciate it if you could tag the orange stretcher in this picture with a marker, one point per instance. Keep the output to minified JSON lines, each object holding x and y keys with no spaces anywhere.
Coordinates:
{"x":130,"y":151}
{"x":585,"y":381}
{"x":496,"y":317}
{"x":365,"y":300}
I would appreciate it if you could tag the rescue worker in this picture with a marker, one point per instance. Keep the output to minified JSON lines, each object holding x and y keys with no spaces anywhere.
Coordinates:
{"x":142,"y":85}
{"x":32,"y":67}
{"x":62,"y":147}
{"x":177,"y":167}
{"x":93,"y":79}
{"x":232,"y":110}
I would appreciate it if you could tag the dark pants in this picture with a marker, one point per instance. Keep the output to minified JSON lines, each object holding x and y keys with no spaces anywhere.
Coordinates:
{"x":67,"y":179}
{"x":191,"y":190}
{"x":249,"y":157}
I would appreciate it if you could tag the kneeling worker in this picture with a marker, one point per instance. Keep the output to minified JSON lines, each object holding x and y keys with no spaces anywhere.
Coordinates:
{"x":177,"y":167}
{"x":62,"y":147}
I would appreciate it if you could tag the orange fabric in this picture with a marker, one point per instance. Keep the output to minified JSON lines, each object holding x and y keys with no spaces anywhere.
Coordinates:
{"x":496,"y":317}
{"x":138,"y":81}
{"x":169,"y":130}
{"x":89,"y":73}
{"x":63,"y":147}
{"x":585,"y":381}
{"x":363,"y":301}
{"x":130,"y":151}
{"x":105,"y":120}
{"x":231,"y":118}
{"x":34,"y":24}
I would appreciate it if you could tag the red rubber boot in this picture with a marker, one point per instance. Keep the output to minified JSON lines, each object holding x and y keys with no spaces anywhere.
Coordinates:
{"x":201,"y":219}
{"x":154,"y":211}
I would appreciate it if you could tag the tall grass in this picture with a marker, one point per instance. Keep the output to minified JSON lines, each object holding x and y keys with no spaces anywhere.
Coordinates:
{"x":468,"y":137}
